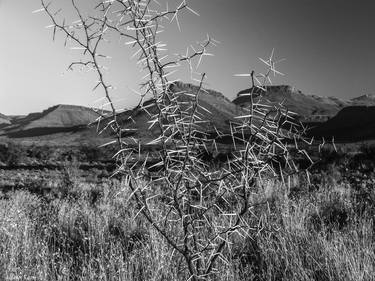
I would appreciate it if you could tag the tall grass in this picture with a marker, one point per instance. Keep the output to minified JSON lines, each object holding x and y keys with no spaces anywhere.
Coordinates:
{"x":91,"y":234}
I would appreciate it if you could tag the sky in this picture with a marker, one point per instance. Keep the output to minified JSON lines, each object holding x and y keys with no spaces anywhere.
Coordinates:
{"x":328,"y":47}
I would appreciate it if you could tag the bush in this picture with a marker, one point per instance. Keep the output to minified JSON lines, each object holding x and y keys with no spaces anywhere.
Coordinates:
{"x":12,"y":153}
{"x":183,"y":206}
{"x":368,"y":150}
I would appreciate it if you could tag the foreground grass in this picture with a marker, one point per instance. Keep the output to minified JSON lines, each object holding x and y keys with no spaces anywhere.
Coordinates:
{"x":90,"y":233}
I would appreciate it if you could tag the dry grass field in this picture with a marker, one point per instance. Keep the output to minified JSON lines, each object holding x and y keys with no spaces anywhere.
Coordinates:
{"x":82,"y":227}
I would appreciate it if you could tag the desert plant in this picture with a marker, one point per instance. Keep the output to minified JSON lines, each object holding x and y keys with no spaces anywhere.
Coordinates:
{"x":12,"y":153}
{"x":203,"y":208}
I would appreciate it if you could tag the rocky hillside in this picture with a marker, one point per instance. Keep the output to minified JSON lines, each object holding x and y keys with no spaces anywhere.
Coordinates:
{"x":59,"y":118}
{"x":310,"y":108}
{"x":353,"y":123}
{"x":326,"y":116}
{"x":4,"y":120}
{"x":366,"y":100}
{"x":218,"y":111}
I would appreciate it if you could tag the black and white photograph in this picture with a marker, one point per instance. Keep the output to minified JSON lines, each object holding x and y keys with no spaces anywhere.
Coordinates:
{"x":193,"y":140}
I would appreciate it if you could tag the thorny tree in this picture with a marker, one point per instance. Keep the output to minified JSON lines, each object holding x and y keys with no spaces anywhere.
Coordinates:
{"x":196,"y":208}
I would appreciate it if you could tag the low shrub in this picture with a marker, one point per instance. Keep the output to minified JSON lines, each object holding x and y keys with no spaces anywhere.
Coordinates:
{"x":12,"y":153}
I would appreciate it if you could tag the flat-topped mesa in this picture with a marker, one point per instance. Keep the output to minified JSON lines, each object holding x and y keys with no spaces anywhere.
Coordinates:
{"x":61,"y":115}
{"x":58,"y":118}
{"x":220,"y":107}
{"x":366,"y":100}
{"x":215,"y":110}
{"x":243,"y":97}
{"x":188,"y":87}
{"x":309,"y":108}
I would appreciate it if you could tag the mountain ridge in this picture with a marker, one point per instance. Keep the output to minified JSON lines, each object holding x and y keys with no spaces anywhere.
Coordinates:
{"x":61,"y":117}
{"x":309,"y":107}
{"x":323,"y":115}
{"x":214,"y":107}
{"x":4,"y":120}
{"x":351,"y":124}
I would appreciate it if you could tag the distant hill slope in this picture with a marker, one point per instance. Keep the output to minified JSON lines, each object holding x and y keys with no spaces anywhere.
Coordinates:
{"x":364,"y":100}
{"x":219,"y":111}
{"x":353,"y":123}
{"x":345,"y":120}
{"x":59,"y":118}
{"x":310,"y":108}
{"x":327,"y":116}
{"x":4,"y":120}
